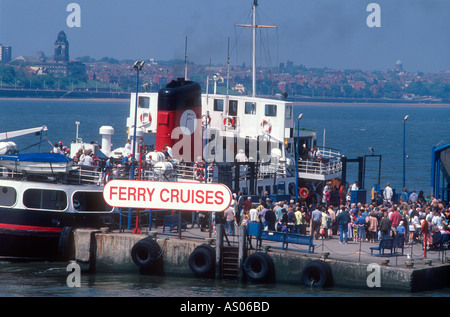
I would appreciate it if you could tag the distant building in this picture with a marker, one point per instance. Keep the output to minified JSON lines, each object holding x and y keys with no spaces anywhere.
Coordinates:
{"x":60,"y":65}
{"x":5,"y":53}
{"x":61,"y":48}
{"x":398,"y":66}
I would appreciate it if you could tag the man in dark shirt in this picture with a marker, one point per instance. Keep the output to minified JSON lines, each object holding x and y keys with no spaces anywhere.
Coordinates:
{"x":342,"y":221}
{"x":270,"y":219}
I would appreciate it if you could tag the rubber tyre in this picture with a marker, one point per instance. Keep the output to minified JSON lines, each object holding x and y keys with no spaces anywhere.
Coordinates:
{"x":66,"y":244}
{"x":146,"y":254}
{"x":319,"y":272}
{"x":259,"y":268}
{"x":202,"y":261}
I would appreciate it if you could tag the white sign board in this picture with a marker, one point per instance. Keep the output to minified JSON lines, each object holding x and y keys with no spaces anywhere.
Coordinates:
{"x":167,"y":195}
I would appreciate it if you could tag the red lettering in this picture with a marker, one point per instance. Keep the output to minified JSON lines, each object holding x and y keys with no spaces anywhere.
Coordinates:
{"x":185,"y":198}
{"x":122,"y":193}
{"x":174,"y":195}
{"x":150,"y":193}
{"x":141,"y":194}
{"x":131,"y":193}
{"x":161,"y":195}
{"x":111,"y":192}
{"x":219,"y":198}
{"x":209,"y":197}
{"x":199,"y":199}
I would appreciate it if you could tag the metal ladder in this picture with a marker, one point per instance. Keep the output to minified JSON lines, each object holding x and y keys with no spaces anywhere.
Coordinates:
{"x":230,"y":263}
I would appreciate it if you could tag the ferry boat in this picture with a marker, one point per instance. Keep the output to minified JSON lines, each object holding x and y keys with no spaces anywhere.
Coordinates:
{"x":44,"y":197}
{"x":251,"y":144}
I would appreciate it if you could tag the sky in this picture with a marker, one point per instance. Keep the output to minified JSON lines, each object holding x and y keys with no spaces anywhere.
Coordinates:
{"x":315,"y":33}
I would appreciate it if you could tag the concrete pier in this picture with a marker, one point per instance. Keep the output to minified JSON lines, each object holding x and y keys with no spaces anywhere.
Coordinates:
{"x":352,"y":265}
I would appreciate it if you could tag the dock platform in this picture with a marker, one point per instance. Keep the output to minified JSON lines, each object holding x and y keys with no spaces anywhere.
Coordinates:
{"x":352,"y":265}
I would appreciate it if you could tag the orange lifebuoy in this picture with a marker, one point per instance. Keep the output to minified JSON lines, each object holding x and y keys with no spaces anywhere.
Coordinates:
{"x":228,"y":121}
{"x":303,"y":192}
{"x":266,"y":126}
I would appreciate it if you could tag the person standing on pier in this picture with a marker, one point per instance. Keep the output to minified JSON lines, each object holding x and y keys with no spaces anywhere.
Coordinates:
{"x":342,"y":220}
{"x":395,"y":219}
{"x":388,"y":193}
{"x":316,"y":217}
{"x":230,"y":219}
{"x":239,"y":207}
{"x":385,"y":226}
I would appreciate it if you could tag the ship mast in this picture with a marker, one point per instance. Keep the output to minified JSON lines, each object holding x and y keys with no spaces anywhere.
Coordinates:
{"x":254,"y":26}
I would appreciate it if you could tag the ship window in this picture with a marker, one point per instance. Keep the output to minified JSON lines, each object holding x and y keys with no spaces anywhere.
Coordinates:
{"x":233,"y":108}
{"x":288,"y":113}
{"x":218,"y":105}
{"x":250,"y":108}
{"x":144,"y":102}
{"x":270,"y":111}
{"x":90,"y":202}
{"x":7,"y":196}
{"x":45,"y":199}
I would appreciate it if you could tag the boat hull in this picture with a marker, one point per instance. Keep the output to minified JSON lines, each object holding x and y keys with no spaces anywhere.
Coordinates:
{"x":38,"y":234}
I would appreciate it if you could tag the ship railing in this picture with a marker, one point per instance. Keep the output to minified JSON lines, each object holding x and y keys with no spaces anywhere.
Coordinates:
{"x":271,"y":169}
{"x":194,"y":171}
{"x":82,"y":174}
{"x":329,"y":163}
{"x":78,"y":174}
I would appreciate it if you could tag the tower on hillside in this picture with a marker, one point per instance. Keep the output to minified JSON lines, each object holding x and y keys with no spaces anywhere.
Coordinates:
{"x":61,"y":48}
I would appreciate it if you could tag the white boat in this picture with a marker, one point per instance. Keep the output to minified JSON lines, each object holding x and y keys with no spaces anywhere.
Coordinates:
{"x":251,"y":144}
{"x":44,"y":197}
{"x":38,"y":163}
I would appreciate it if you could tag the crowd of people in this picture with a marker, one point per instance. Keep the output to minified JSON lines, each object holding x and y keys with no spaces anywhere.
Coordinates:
{"x":414,"y":217}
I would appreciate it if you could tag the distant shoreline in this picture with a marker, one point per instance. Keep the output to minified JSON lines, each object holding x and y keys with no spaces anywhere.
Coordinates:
{"x":67,"y":99}
{"x":373,"y":104}
{"x":312,"y":102}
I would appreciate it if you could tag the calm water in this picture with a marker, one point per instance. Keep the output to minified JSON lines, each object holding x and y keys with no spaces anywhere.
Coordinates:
{"x":49,"y":279}
{"x":352,"y":129}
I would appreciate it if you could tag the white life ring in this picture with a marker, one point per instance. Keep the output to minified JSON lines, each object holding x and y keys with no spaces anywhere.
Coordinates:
{"x":206,"y":120}
{"x":228,"y":122}
{"x":266,"y":126}
{"x":199,"y":174}
{"x":146,"y":118}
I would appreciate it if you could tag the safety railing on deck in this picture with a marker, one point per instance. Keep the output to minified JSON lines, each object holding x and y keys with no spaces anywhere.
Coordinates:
{"x":329,"y":163}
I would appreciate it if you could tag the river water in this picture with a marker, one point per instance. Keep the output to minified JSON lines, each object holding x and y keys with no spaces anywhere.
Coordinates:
{"x":350,"y":128}
{"x":44,"y":279}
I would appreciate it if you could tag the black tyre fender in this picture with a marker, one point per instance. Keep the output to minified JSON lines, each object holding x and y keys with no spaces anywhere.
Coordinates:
{"x":146,"y":254}
{"x":317,"y":273}
{"x":66,"y":244}
{"x":202,"y":261}
{"x":259,"y":267}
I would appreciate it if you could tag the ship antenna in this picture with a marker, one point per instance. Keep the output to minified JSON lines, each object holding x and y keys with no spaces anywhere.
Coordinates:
{"x":254,"y":26}
{"x":228,"y":64}
{"x":185,"y":60}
